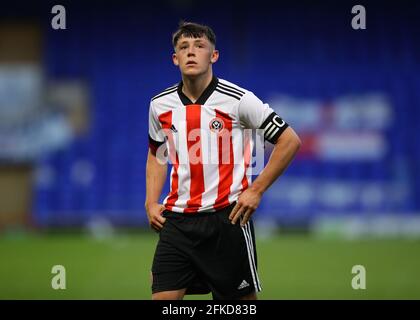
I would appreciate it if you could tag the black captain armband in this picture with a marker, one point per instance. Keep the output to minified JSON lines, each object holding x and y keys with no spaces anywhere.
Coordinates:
{"x":273,"y":127}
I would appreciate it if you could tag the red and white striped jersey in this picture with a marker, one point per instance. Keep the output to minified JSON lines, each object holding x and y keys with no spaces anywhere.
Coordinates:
{"x":207,"y":142}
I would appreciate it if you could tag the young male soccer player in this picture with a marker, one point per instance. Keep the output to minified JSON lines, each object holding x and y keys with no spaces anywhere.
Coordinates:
{"x":201,"y":246}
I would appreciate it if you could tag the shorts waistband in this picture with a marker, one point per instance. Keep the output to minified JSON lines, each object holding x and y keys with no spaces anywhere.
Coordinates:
{"x":229,"y":208}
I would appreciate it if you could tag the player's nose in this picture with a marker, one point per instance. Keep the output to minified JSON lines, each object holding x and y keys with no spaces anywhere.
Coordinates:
{"x":191,"y":51}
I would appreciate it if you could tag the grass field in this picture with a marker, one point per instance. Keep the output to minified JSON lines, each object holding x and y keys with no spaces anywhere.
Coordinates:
{"x":290,"y":267}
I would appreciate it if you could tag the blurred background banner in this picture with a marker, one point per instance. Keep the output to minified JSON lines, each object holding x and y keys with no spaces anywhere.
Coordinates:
{"x":74,"y":109}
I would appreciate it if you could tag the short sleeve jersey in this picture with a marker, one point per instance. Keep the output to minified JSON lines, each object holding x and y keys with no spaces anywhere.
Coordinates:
{"x":207,"y":142}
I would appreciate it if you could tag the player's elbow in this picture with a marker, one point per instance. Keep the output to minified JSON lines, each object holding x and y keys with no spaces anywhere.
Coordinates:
{"x":297,"y":142}
{"x":294,"y":144}
{"x":290,"y":139}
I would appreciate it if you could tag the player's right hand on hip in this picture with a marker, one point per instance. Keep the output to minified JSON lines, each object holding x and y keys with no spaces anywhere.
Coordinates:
{"x":154,"y":214}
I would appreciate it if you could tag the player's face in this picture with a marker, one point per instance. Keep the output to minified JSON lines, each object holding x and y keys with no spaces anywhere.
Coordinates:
{"x":194,"y":56}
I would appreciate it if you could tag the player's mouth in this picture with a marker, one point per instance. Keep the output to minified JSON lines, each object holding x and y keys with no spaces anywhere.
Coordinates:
{"x":191,"y":63}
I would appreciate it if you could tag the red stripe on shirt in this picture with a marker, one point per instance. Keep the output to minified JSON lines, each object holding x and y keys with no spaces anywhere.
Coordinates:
{"x":193,"y":116}
{"x":225,"y":150}
{"x":166,"y":121}
{"x":247,"y":158}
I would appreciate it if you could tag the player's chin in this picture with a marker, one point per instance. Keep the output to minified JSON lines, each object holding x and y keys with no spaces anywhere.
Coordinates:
{"x":192,"y":72}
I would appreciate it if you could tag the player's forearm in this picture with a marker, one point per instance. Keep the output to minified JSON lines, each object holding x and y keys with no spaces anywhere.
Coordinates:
{"x":283,"y":153}
{"x":155,"y":179}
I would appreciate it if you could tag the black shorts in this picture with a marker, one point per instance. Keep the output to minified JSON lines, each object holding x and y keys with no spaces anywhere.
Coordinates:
{"x":205,"y":253}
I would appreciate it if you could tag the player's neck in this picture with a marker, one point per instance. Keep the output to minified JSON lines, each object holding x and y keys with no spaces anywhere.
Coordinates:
{"x":194,"y":87}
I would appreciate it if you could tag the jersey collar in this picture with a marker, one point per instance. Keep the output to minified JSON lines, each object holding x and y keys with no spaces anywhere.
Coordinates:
{"x":204,"y":96}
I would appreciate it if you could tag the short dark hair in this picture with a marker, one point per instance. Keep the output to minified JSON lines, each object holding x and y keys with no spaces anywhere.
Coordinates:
{"x":193,"y":30}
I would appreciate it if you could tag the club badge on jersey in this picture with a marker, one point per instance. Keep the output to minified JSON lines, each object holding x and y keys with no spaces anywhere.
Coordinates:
{"x":216,"y":124}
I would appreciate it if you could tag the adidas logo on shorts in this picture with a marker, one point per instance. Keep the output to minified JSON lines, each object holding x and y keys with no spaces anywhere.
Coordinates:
{"x":243,"y":284}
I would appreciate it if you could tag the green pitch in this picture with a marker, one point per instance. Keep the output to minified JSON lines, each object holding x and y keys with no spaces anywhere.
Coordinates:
{"x":291,"y":267}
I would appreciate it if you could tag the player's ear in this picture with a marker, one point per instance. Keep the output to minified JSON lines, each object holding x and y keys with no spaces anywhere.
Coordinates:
{"x":214,"y":56}
{"x":175,"y":59}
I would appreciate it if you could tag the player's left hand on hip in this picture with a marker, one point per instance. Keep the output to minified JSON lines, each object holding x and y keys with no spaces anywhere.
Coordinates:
{"x":247,"y":203}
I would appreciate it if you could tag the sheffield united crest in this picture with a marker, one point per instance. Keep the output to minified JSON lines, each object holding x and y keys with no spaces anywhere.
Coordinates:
{"x":216,"y":125}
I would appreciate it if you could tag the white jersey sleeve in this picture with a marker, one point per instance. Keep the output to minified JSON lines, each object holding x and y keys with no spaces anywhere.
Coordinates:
{"x":254,"y":114}
{"x":156,"y":135}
